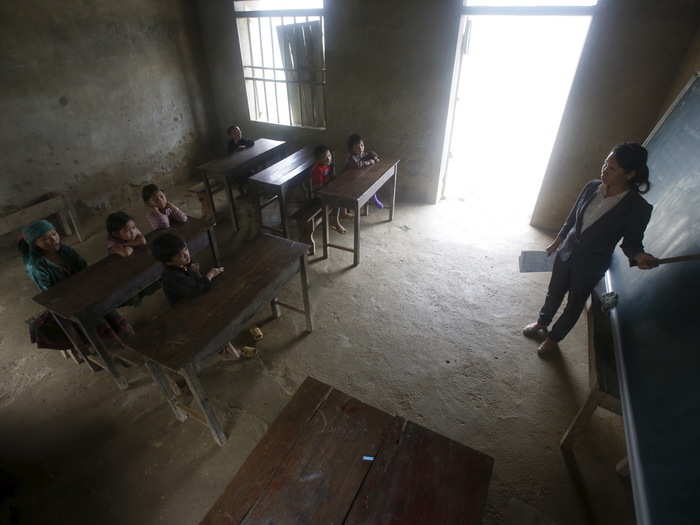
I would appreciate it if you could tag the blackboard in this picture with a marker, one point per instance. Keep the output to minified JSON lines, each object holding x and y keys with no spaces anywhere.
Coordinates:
{"x":656,"y":328}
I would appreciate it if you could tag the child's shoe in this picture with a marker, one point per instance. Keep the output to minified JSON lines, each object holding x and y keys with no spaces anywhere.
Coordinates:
{"x":248,"y":351}
{"x":256,"y":334}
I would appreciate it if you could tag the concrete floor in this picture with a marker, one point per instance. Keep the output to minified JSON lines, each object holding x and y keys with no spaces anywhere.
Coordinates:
{"x":428,"y":326}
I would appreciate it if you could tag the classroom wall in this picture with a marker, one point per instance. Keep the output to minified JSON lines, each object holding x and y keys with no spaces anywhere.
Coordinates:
{"x":689,"y":67}
{"x":389,"y":69}
{"x":629,"y":62}
{"x":99,"y":98}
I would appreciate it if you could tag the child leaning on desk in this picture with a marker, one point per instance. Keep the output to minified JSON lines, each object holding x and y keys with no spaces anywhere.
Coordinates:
{"x":358,"y":158}
{"x":122,"y":234}
{"x":321,"y":174}
{"x":236,"y":141}
{"x":182,"y":279}
{"x":160,"y":213}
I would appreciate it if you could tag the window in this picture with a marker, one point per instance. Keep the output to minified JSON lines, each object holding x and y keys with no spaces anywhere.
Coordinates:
{"x":283,"y":56}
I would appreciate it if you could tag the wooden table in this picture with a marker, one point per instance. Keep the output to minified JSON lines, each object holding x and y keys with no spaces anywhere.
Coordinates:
{"x":353,"y":189}
{"x":277,"y":179}
{"x":331,"y":459}
{"x":88,"y":295}
{"x":237,"y":165}
{"x":182,"y":338}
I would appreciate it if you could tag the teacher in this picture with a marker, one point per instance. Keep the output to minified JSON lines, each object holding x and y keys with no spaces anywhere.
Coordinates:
{"x":606,"y":211}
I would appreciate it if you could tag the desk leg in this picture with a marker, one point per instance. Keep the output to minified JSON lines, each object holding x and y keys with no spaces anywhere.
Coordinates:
{"x":393,"y":194}
{"x":74,"y":338}
{"x":257,"y":200}
{"x":231,"y":202}
{"x":214,"y":246}
{"x":305,"y":292}
{"x":167,"y":388}
{"x":324,"y":222}
{"x":210,"y":195}
{"x":356,"y":234}
{"x":276,"y":312}
{"x":190,"y":375}
{"x":283,"y":212}
{"x":89,"y":328}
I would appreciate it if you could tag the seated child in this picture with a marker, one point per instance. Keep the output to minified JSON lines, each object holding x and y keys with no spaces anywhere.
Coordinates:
{"x":321,"y":174}
{"x":359,"y":159}
{"x":122,"y":234}
{"x":48,"y":261}
{"x":182,"y":279}
{"x":160,"y":212}
{"x":236,"y":141}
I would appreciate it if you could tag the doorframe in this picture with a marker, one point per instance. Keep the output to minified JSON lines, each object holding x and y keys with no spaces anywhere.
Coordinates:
{"x":461,"y":50}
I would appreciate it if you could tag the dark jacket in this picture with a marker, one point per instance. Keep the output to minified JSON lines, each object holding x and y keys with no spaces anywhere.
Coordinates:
{"x":233,"y":146}
{"x":594,"y":247}
{"x":179,"y":284}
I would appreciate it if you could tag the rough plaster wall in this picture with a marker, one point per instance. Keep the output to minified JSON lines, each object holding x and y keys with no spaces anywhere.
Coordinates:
{"x":690,"y":66}
{"x":631,"y":56}
{"x":98,"y":98}
{"x":389,"y":68}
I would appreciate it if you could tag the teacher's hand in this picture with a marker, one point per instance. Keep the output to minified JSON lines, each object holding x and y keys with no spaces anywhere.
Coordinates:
{"x":646,"y":261}
{"x":553,"y":247}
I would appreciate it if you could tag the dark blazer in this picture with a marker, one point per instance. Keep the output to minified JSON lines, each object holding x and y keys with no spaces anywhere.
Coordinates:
{"x":181,"y":283}
{"x":594,"y":247}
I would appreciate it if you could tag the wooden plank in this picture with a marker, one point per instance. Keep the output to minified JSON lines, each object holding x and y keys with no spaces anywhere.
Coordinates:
{"x":242,"y":158}
{"x":285,"y":170}
{"x":35,"y":212}
{"x":113,"y":280}
{"x":196,"y":327}
{"x":359,"y":184}
{"x":421,"y":477}
{"x":252,"y":479}
{"x":320,"y":476}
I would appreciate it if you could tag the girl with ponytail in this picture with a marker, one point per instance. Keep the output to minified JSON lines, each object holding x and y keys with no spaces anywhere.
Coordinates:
{"x":607,"y":210}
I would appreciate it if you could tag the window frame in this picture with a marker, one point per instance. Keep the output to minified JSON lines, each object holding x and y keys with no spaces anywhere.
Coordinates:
{"x":285,"y":13}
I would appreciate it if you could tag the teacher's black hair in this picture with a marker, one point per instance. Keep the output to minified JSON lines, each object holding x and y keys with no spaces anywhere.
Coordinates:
{"x":633,"y":157}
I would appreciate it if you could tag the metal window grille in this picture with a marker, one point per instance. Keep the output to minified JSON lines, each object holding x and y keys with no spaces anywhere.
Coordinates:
{"x":283,"y":56}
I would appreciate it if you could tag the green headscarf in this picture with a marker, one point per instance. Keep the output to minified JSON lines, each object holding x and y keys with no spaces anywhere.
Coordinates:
{"x":29,"y":236}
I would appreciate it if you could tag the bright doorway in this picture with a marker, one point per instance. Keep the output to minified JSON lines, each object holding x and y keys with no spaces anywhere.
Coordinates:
{"x":516,"y":73}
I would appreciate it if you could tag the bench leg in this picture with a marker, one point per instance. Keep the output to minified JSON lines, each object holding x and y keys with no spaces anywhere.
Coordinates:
{"x":324,"y":220}
{"x":166,"y":387}
{"x":211,"y":233}
{"x":276,"y":312}
{"x":210,"y":196}
{"x":89,"y":328}
{"x":356,"y":235}
{"x":74,"y":338}
{"x":580,"y":421}
{"x":200,"y":396}
{"x":393,"y":193}
{"x":305,"y":293}
{"x":231,"y":203}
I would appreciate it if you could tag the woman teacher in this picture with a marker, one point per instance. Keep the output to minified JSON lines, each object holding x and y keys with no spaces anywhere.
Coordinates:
{"x":607,"y":210}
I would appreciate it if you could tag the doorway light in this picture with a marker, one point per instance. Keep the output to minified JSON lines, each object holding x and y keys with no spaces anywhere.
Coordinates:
{"x":529,"y":3}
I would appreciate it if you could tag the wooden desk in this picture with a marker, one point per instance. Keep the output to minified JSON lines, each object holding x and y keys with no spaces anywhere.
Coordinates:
{"x":183,"y":337}
{"x":277,"y":179}
{"x":237,"y":165}
{"x":329,"y":458}
{"x":88,"y":295}
{"x":353,"y":189}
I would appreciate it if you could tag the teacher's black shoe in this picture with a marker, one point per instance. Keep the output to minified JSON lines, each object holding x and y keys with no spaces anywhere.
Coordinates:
{"x":548,"y":348}
{"x":536,"y":332}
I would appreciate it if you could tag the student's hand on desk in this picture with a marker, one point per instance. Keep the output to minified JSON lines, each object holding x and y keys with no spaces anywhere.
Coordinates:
{"x":194,"y":267}
{"x":553,"y":247}
{"x":646,"y":261}
{"x":214,"y":272}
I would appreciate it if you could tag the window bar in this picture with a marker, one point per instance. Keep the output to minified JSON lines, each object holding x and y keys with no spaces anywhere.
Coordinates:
{"x":289,"y":104}
{"x":252,"y":62}
{"x":274,"y":72}
{"x":301,"y":106}
{"x":262,"y":61}
{"x":312,"y":88}
{"x":323,"y":71}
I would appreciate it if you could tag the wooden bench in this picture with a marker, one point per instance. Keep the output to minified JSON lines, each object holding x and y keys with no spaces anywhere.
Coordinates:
{"x":200,"y":191}
{"x":183,"y":338}
{"x":52,"y":205}
{"x":329,"y":458}
{"x":308,"y":218}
